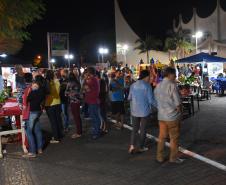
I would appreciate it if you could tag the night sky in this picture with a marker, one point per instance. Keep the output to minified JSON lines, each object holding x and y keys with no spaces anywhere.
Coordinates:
{"x":94,"y":20}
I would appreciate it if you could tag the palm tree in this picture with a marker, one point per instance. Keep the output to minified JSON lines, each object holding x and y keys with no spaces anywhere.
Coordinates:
{"x":150,"y":43}
{"x":179,"y":42}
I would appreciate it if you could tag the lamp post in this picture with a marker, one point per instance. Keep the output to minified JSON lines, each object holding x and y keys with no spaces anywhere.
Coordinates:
{"x":3,"y":55}
{"x":69,"y":57}
{"x":197,"y":35}
{"x":122,"y":49}
{"x":103,"y":51}
{"x":125,"y":48}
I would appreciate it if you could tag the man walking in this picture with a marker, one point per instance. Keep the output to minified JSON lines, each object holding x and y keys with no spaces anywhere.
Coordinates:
{"x":142,"y":100}
{"x":169,"y":114}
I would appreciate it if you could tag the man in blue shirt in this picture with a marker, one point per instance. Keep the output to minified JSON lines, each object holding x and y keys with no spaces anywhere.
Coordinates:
{"x":142,"y":100}
{"x":117,"y":98}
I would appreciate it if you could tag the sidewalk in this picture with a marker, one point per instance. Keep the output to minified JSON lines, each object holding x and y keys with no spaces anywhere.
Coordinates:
{"x":106,"y":162}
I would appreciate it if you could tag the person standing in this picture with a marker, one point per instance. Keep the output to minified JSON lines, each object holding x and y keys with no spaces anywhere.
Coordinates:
{"x":20,"y":83}
{"x":92,"y":90}
{"x":73,"y":92}
{"x":64,"y":99}
{"x":53,"y":106}
{"x":117,"y":98}
{"x":142,"y":100}
{"x":169,"y":115}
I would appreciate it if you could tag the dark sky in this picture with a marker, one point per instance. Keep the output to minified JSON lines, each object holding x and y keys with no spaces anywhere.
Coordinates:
{"x":88,"y":18}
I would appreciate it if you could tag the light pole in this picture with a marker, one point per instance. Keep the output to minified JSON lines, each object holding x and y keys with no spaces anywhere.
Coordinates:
{"x":197,"y":35}
{"x":52,"y":61}
{"x":69,"y":57}
{"x":103,"y":51}
{"x":122,"y":50}
{"x":3,"y":55}
{"x":125,"y":48}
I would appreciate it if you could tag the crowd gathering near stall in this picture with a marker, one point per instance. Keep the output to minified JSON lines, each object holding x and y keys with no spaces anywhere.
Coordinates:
{"x":93,"y":95}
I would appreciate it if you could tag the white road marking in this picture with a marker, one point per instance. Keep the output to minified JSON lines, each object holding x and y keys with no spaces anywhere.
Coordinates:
{"x":184,"y":151}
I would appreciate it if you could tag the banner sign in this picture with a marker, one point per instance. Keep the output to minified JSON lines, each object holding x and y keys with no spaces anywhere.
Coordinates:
{"x":59,"y":44}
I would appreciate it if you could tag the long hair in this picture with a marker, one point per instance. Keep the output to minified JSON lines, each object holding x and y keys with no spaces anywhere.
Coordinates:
{"x":73,"y":78}
{"x":50,"y":75}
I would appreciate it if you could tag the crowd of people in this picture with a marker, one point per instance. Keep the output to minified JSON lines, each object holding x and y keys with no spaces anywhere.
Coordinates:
{"x":57,"y":92}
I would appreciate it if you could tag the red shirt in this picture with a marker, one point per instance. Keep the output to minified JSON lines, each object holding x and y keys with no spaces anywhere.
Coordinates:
{"x":92,"y":95}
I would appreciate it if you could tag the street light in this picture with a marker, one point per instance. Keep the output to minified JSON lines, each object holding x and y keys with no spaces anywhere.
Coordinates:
{"x":103,"y":51}
{"x":69,"y":57}
{"x":52,"y":60}
{"x":197,"y":35}
{"x":3,"y":55}
{"x":123,"y":48}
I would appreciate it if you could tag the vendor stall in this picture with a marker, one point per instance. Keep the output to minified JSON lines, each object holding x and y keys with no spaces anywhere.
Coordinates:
{"x":11,"y":109}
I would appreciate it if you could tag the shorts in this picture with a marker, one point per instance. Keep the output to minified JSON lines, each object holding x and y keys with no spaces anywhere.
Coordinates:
{"x":117,"y":107}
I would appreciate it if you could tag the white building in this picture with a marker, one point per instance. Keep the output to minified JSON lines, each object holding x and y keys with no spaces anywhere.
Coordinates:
{"x":213,"y":28}
{"x":125,"y":40}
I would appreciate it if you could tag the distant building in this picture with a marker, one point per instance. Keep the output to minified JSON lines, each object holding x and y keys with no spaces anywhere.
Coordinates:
{"x":213,"y":28}
{"x":125,"y":43}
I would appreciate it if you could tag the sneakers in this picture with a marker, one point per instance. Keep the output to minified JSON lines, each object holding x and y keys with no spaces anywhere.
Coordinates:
{"x":40,"y":151}
{"x":144,"y":149}
{"x":29,"y":155}
{"x":54,"y":141}
{"x":76,"y":136}
{"x":177,"y":161}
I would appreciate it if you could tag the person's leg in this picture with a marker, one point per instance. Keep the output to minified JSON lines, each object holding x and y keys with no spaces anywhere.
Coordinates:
{"x":64,"y":107}
{"x":143,"y":124}
{"x":95,"y":116}
{"x":163,"y":131}
{"x":51,"y":114}
{"x":122,"y":113}
{"x":174,"y":138}
{"x":136,"y":126}
{"x":38,"y":133}
{"x":75,"y":110}
{"x":29,"y":132}
{"x":58,"y":120}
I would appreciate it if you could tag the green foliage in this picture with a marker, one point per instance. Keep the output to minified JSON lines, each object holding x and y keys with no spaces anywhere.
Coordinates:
{"x":149,"y":43}
{"x":15,"y":16}
{"x":3,"y":96}
{"x":179,"y":41}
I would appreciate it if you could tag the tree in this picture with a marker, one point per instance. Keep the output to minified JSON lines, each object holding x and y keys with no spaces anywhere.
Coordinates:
{"x":15,"y":16}
{"x":179,"y":42}
{"x":149,"y":43}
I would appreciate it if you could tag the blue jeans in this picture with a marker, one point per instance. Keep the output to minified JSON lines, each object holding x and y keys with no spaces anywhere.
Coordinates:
{"x":94,"y":112}
{"x":33,"y":132}
{"x":64,"y":108}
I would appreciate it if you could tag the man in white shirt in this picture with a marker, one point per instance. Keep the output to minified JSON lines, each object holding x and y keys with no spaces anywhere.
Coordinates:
{"x":169,"y":114}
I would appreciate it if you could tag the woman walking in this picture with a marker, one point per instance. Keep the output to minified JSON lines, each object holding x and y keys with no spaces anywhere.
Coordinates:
{"x":73,"y":92}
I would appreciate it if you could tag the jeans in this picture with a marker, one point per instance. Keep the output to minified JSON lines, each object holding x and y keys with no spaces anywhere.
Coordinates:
{"x":54,"y":114}
{"x":75,"y":110}
{"x":94,"y":112}
{"x":33,"y":132}
{"x":170,"y":128}
{"x":139,"y":123}
{"x":64,"y":108}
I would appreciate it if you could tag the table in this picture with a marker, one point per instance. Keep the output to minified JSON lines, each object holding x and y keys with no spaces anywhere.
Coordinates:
{"x":11,"y":108}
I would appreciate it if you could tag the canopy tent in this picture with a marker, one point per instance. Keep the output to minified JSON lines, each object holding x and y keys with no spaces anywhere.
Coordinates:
{"x":201,"y":57}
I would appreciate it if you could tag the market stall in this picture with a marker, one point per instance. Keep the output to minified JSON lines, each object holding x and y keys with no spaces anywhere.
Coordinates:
{"x":10,"y":108}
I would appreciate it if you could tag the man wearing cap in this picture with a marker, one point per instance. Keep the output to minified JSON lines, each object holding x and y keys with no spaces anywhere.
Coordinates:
{"x":142,"y":99}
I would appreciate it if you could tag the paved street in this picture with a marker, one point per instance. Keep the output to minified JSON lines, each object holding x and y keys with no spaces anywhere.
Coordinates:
{"x":106,"y":162}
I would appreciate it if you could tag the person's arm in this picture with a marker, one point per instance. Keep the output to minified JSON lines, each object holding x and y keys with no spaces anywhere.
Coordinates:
{"x":177,"y":99}
{"x":130,"y":93}
{"x":151,"y":97}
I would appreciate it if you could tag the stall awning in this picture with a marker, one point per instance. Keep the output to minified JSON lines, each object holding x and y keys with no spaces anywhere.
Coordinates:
{"x":201,"y":57}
